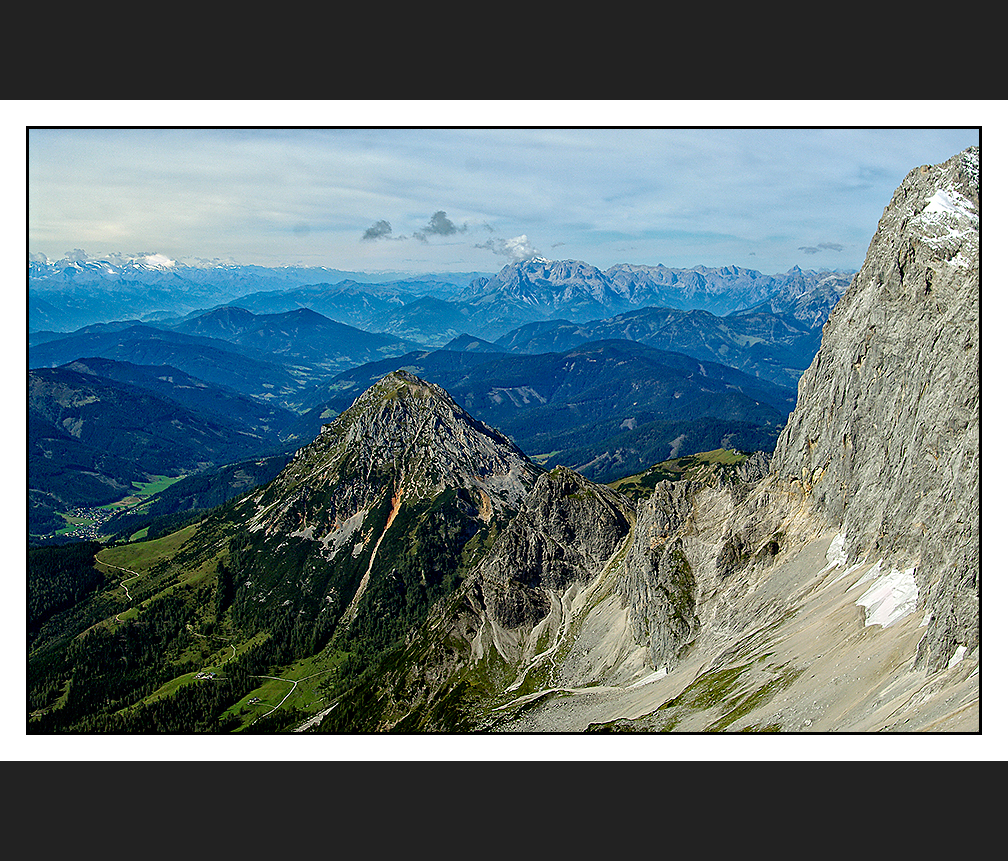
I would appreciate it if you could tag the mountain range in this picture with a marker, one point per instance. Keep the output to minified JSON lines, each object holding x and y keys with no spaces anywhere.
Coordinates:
{"x":768,"y":345}
{"x":75,"y":292}
{"x":67,"y":296}
{"x":541,"y":288}
{"x":292,"y":360}
{"x":412,"y":569}
{"x":605,"y":408}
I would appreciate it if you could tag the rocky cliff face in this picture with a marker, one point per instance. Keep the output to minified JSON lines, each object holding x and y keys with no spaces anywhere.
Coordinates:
{"x":689,"y":535}
{"x":883,"y":444}
{"x":885,"y":438}
{"x":565,"y":532}
{"x":837,"y":585}
{"x":882,"y":451}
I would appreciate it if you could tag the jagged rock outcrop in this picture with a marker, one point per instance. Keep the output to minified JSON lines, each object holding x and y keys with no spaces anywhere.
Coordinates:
{"x":690,"y":535}
{"x":659,"y":585}
{"x":565,"y":531}
{"x":885,"y":438}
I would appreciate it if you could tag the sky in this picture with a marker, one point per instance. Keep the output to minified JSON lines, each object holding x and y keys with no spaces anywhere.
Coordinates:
{"x":472,"y":186}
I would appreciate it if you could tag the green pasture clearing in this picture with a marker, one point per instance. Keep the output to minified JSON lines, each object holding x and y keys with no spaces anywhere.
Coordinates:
{"x":157,"y":562}
{"x":156,"y":484}
{"x":143,"y":492}
{"x":217,"y":663}
{"x":309,"y":695}
{"x":543,"y":458}
{"x":727,"y":456}
{"x":168,"y":688}
{"x":141,"y":556}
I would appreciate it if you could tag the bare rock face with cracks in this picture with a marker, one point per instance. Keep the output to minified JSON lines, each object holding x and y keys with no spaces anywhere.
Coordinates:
{"x":885,"y":438}
{"x":877,"y":470}
{"x":881,"y":455}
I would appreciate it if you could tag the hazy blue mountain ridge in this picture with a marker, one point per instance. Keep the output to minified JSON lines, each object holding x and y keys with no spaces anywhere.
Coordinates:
{"x":91,"y":437}
{"x":301,"y":337}
{"x":605,"y":408}
{"x":66,"y":296}
{"x":284,"y":348}
{"x":210,"y":359}
{"x":767,"y":345}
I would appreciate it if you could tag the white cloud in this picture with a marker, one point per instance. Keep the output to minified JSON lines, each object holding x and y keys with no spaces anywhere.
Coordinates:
{"x":516,"y":249}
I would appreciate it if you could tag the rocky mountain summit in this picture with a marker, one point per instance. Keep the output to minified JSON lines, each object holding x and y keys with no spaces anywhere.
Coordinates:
{"x":806,"y":297}
{"x":404,"y":434}
{"x":719,"y":291}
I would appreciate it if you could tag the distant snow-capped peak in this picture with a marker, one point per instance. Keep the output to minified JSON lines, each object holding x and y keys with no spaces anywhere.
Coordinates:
{"x":154,"y":261}
{"x":111,"y":264}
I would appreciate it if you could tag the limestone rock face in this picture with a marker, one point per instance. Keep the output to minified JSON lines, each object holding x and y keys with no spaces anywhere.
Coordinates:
{"x":885,"y":438}
{"x":565,"y":531}
{"x":695,"y":541}
{"x":744,"y":581}
{"x":883,"y":446}
{"x":659,"y":586}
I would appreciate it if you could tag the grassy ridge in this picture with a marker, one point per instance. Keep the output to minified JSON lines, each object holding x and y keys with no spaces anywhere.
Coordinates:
{"x":693,"y":466}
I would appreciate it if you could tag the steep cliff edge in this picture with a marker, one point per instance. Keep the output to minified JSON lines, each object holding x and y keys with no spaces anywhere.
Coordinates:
{"x":884,"y":440}
{"x":837,"y":587}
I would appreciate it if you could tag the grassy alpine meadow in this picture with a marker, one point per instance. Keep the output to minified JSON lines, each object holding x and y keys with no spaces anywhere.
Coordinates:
{"x":142,"y":556}
{"x":303,"y":687}
{"x":156,"y":484}
{"x":691,"y":466}
{"x":159,"y":564}
{"x":143,"y":494}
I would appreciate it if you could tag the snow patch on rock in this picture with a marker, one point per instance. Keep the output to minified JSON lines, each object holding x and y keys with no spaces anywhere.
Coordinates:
{"x":959,"y":654}
{"x":660,"y":673}
{"x":951,"y":202}
{"x":890,"y":598}
{"x":835,"y":554}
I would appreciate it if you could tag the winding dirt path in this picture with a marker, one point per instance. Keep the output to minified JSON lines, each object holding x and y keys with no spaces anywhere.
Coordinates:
{"x":122,"y":582}
{"x":234,"y":651}
{"x":278,"y":679}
